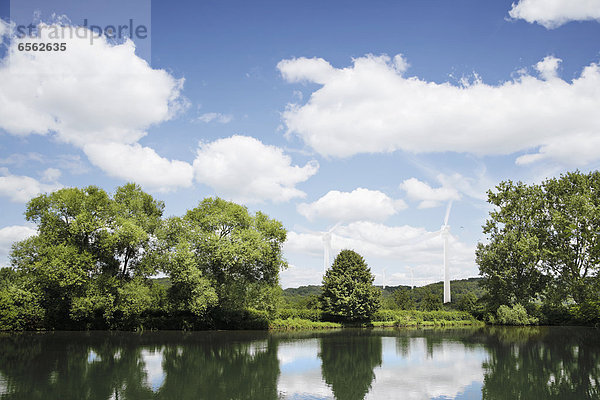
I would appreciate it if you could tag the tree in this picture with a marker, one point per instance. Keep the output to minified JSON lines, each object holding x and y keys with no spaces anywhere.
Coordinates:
{"x":403,"y":299}
{"x":89,"y":249}
{"x":572,"y":242}
{"x":431,"y":301}
{"x":510,"y":262}
{"x":226,"y":248}
{"x":348,"y":291}
{"x":544,"y":242}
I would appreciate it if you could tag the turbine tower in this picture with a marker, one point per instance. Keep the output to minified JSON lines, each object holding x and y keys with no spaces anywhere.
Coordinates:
{"x":326,"y":250}
{"x":445,"y":233}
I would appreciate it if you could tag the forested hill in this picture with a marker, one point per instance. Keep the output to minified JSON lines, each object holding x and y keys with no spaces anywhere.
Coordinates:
{"x":458,"y":289}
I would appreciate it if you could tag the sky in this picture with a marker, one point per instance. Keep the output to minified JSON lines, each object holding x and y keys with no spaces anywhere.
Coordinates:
{"x":366,"y":118}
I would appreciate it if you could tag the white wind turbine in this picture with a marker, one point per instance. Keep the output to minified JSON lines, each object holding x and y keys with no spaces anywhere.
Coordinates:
{"x":445,"y":233}
{"x":326,"y":236}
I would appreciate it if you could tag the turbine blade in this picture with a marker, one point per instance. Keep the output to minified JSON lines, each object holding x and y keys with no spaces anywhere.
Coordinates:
{"x":447,"y":213}
{"x":333,"y":227}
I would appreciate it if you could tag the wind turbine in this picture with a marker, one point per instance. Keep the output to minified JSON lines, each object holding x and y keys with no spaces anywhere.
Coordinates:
{"x":326,"y":236}
{"x":445,"y":233}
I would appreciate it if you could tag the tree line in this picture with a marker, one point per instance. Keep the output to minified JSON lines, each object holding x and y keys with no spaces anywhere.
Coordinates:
{"x":89,"y":266}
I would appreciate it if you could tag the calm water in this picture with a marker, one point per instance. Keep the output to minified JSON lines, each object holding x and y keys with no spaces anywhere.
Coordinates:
{"x":491,"y":363}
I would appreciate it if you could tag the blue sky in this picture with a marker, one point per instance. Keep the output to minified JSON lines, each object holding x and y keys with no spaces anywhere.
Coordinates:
{"x":369,"y":115}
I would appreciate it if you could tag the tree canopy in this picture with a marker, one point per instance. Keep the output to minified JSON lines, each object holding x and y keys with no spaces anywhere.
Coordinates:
{"x":348,"y":291}
{"x":544,"y":245}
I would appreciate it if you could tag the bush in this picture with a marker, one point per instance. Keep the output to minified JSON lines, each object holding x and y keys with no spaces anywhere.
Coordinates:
{"x":302,"y":313}
{"x":385,"y":315}
{"x":587,"y":313}
{"x":19,"y":309}
{"x":517,"y":315}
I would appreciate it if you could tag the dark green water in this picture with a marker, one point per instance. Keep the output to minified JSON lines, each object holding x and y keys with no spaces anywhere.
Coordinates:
{"x":490,"y":363}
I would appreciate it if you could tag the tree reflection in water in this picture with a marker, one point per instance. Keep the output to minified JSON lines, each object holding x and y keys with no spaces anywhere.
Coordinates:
{"x":102,"y":366}
{"x":348,"y":360}
{"x":520,"y":363}
{"x":542,"y":363}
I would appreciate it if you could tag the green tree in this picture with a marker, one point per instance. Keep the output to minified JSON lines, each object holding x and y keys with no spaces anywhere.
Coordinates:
{"x":544,"y":243}
{"x":510,"y":262}
{"x":88,"y":251}
{"x":348,"y":291}
{"x":572,"y":242}
{"x":431,"y":301}
{"x":403,"y":299}
{"x":220,"y":252}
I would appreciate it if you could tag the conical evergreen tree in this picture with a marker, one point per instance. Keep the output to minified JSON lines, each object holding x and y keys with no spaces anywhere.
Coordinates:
{"x":348,"y":291}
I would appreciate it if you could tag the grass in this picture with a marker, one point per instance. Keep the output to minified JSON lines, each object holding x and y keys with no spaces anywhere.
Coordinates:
{"x":299,"y":323}
{"x":388,"y":318}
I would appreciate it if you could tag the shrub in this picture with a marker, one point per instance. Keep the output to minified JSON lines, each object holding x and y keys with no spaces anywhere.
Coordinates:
{"x":517,"y":315}
{"x":19,"y":309}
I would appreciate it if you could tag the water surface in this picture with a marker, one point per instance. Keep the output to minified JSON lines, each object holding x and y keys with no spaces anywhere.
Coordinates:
{"x":483,"y":363}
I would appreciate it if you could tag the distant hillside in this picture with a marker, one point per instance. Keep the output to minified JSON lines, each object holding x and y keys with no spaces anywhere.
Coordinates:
{"x":307,"y":296}
{"x":303,"y":295}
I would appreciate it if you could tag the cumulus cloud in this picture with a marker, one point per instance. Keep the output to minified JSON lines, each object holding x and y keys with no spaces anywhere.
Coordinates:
{"x":427,"y":196}
{"x":140,"y":164}
{"x":402,"y":245}
{"x":306,"y":69}
{"x":554,"y":13}
{"x":92,"y":94}
{"x":21,"y":189}
{"x":373,"y":107}
{"x":360,"y":204}
{"x":244,"y":169}
{"x":10,"y":235}
{"x":217,"y":117}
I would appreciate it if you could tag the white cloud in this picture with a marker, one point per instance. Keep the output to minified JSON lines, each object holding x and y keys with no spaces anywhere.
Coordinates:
{"x":295,"y":276}
{"x":476,"y":187}
{"x":554,"y":13}
{"x":51,"y":175}
{"x":306,"y":69}
{"x":21,"y":189}
{"x":244,"y":169}
{"x":217,"y":117}
{"x":427,"y":196}
{"x":10,"y":235}
{"x":401,"y":246}
{"x":360,"y":204}
{"x":548,"y":67}
{"x":141,"y":165}
{"x":372,"y":107}
{"x":92,"y":94}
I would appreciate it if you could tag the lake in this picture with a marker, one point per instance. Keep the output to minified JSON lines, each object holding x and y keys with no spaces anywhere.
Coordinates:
{"x":490,"y":363}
